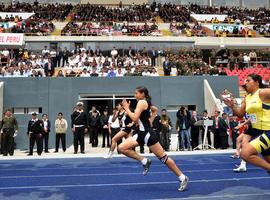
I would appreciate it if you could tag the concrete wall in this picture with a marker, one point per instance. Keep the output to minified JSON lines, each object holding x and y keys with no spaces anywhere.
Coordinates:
{"x":60,"y":95}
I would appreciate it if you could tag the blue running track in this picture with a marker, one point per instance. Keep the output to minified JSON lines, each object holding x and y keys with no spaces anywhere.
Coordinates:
{"x":211,"y":177}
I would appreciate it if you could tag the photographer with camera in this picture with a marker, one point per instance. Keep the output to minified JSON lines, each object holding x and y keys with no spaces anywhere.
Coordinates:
{"x":183,"y":126}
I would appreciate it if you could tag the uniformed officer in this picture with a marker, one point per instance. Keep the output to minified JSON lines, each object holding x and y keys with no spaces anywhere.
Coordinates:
{"x":9,"y":130}
{"x":34,"y":131}
{"x":79,"y":127}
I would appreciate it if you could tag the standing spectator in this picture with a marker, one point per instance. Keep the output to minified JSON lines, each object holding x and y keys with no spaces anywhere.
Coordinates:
{"x":153,"y":55}
{"x":215,"y":129}
{"x":206,"y":117}
{"x":223,"y":131}
{"x":61,"y":126}
{"x":165,"y":130}
{"x":156,"y":122}
{"x":114,"y":52}
{"x":94,"y":119}
{"x":78,"y":125}
{"x":183,"y":116}
{"x":35,"y":131}
{"x":46,"y":131}
{"x":114,"y":124}
{"x":167,"y":67}
{"x":9,"y":130}
{"x":49,"y":68}
{"x":235,"y":132}
{"x":53,"y":55}
{"x":65,"y":56}
{"x":194,"y":130}
{"x":104,"y":120}
{"x":59,"y":57}
{"x":45,"y":51}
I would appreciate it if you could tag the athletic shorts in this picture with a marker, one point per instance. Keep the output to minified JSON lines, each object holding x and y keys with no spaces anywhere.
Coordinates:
{"x":127,"y":130}
{"x":253,"y":132}
{"x":146,"y":137}
{"x":262,"y":143}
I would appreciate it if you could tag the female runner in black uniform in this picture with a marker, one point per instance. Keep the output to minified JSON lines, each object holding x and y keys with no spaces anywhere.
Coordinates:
{"x":147,"y":136}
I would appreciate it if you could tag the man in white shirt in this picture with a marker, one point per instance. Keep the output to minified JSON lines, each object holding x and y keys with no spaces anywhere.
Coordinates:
{"x":85,"y":73}
{"x":45,"y":51}
{"x":120,"y":72}
{"x":114,"y":52}
{"x":114,"y":124}
{"x":5,"y":52}
{"x":61,"y":126}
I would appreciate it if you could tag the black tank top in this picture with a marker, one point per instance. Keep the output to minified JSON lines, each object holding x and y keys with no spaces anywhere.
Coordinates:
{"x":144,"y":123}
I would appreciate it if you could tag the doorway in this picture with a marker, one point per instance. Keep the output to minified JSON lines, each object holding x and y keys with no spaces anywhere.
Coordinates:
{"x":105,"y":101}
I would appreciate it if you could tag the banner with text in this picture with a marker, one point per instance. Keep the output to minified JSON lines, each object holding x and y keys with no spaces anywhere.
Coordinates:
{"x":11,"y":39}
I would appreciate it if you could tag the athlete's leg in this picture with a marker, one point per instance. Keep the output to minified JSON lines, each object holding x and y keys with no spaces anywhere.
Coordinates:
{"x":126,"y":149}
{"x":163,"y":157}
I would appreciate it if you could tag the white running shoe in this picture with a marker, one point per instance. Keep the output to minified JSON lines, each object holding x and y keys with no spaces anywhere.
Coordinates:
{"x":108,"y":156}
{"x":183,"y":184}
{"x":240,"y":169}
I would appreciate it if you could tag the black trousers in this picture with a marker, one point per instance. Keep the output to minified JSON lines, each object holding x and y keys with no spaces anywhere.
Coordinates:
{"x":216,"y":139}
{"x":165,"y":138}
{"x":194,"y":134}
{"x":8,"y":142}
{"x":38,"y":139}
{"x":58,"y":137}
{"x":93,"y":136}
{"x":46,"y":141}
{"x":153,"y":61}
{"x":234,"y":138}
{"x":223,"y":141}
{"x":79,"y":138}
{"x":105,"y":136}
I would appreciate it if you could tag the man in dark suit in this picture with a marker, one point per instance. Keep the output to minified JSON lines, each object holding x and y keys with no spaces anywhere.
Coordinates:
{"x":130,"y":52}
{"x":35,"y":133}
{"x":65,"y":56}
{"x":98,"y":52}
{"x":153,"y":55}
{"x":167,"y":67}
{"x":194,"y":130}
{"x":49,"y":68}
{"x":46,"y":131}
{"x":59,"y":56}
{"x":215,"y":129}
{"x":223,"y":128}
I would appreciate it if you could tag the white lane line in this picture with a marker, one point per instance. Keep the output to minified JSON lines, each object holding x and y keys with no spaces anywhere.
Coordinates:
{"x":229,"y":196}
{"x":111,"y":166}
{"x":130,"y":184}
{"x":115,"y":174}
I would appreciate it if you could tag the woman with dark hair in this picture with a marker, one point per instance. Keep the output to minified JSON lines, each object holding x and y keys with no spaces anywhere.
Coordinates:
{"x":257,"y":106}
{"x":146,"y":135}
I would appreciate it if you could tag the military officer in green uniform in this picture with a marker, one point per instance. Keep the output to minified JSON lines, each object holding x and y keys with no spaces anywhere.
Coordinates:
{"x":9,"y":129}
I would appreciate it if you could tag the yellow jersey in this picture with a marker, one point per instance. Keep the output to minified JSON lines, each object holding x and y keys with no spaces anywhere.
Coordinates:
{"x":258,"y":112}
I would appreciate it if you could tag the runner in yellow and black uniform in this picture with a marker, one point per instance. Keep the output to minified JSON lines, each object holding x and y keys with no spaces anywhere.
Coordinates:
{"x":257,"y":105}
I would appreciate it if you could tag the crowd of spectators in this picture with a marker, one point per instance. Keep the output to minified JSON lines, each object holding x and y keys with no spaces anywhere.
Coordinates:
{"x":49,"y":12}
{"x":83,"y":62}
{"x":88,"y":19}
{"x":263,"y":29}
{"x":98,"y":29}
{"x":186,"y":29}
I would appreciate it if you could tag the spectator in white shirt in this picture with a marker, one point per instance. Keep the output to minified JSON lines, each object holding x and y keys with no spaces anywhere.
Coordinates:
{"x":85,"y":73}
{"x":5,"y":52}
{"x":114,"y":52}
{"x":154,"y":72}
{"x":146,"y":72}
{"x":120,"y":72}
{"x":45,"y":51}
